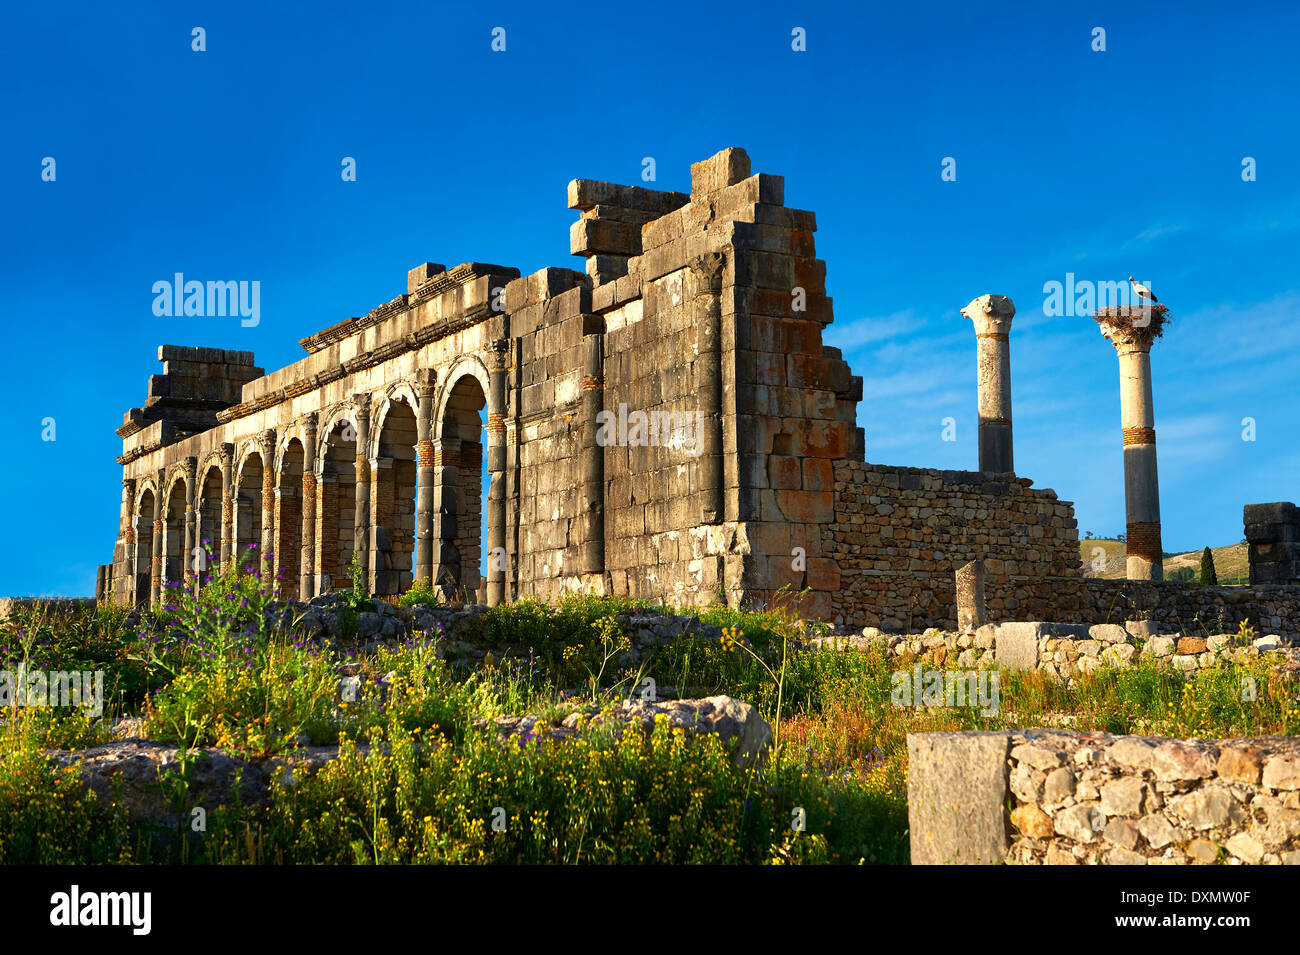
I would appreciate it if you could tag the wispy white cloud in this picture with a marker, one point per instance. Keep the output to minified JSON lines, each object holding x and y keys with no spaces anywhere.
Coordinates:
{"x":860,"y":332}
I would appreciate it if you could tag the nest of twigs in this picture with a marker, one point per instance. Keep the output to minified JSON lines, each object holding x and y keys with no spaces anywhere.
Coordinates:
{"x":1153,"y":317}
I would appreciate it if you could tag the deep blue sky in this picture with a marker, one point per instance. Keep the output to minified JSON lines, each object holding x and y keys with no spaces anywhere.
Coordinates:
{"x":225,"y":165}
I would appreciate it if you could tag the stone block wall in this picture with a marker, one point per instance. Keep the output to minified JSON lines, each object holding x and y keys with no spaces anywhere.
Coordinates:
{"x":1273,"y":537}
{"x":899,"y":534}
{"x":1087,"y":798}
{"x":545,"y":488}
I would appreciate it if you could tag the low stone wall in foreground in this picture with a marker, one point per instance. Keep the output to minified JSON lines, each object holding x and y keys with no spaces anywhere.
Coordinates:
{"x":1055,"y":797}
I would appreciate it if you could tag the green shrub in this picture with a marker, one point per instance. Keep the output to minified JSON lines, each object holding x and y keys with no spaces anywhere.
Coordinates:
{"x":421,"y":592}
{"x":1209,"y":578}
{"x":49,"y":817}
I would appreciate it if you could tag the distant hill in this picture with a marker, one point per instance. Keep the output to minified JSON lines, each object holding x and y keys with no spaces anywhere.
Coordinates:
{"x":1230,"y":562}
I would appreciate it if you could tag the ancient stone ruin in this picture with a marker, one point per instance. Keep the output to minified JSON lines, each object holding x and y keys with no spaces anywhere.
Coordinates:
{"x":667,"y":424}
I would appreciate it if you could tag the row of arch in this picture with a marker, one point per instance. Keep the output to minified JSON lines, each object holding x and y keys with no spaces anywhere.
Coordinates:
{"x":297,"y":503}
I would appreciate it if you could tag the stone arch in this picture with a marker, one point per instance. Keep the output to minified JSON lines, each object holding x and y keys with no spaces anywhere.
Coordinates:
{"x":467,"y":365}
{"x":458,"y":477}
{"x":145,"y":512}
{"x":288,"y":517}
{"x":173,"y":531}
{"x":334,"y":419}
{"x":393,"y":494}
{"x":247,"y":512}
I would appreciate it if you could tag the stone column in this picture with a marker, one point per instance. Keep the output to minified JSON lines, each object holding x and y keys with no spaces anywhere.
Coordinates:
{"x":1132,"y":330}
{"x":593,"y":452}
{"x":361,"y":514}
{"x":227,"y":504}
{"x":267,"y":558}
{"x":991,"y":315}
{"x":497,"y":561}
{"x":156,"y":570}
{"x":425,"y":388}
{"x":971,"y":614}
{"x":126,"y":539}
{"x":707,"y":271}
{"x":307,"y":557}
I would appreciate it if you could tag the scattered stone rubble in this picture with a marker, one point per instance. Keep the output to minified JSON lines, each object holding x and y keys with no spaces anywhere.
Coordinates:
{"x":727,"y":718}
{"x":134,"y":770}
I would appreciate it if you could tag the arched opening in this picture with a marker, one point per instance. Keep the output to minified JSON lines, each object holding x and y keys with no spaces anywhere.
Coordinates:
{"x":458,"y":494}
{"x":173,"y":536}
{"x":144,"y":518}
{"x":248,"y":513}
{"x":392,"y":503}
{"x":336,"y":497}
{"x":288,"y":520}
{"x":209,"y":519}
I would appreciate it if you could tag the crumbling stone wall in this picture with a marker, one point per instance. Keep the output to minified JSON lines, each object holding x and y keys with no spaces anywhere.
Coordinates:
{"x":899,"y":533}
{"x":1273,"y":538}
{"x":1096,"y":798}
{"x":1185,"y":608}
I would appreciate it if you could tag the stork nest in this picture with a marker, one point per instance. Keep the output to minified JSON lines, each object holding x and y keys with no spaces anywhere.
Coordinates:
{"x":1151,"y":317}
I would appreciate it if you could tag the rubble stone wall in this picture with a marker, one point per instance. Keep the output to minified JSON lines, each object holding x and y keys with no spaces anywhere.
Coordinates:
{"x":1189,"y":609}
{"x":899,"y":534}
{"x":1079,"y":798}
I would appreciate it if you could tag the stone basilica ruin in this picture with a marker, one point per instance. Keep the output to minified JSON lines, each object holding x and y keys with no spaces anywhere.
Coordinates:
{"x":668,"y":424}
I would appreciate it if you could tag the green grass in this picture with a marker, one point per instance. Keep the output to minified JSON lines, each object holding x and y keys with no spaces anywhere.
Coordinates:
{"x":431,"y":785}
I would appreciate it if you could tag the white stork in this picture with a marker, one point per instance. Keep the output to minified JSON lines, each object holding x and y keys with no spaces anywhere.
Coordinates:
{"x":1141,"y":291}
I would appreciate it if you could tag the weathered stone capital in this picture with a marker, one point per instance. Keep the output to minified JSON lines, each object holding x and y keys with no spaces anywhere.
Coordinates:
{"x":499,"y":351}
{"x":227,"y":454}
{"x":707,"y":269}
{"x":128,"y":484}
{"x":425,"y":382}
{"x":991,"y":314}
{"x":266,"y":441}
{"x":191,"y":467}
{"x":309,"y":423}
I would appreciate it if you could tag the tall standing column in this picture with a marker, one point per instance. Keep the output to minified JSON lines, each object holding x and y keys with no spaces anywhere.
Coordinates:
{"x":227,"y":504}
{"x":593,"y":452}
{"x":361,"y":514}
{"x":425,"y":387}
{"x":307,"y":556}
{"x":707,"y":271}
{"x":156,"y":571}
{"x":991,"y":315}
{"x":126,"y":535}
{"x":1132,"y":330}
{"x":496,"y":463}
{"x":268,"y":559}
